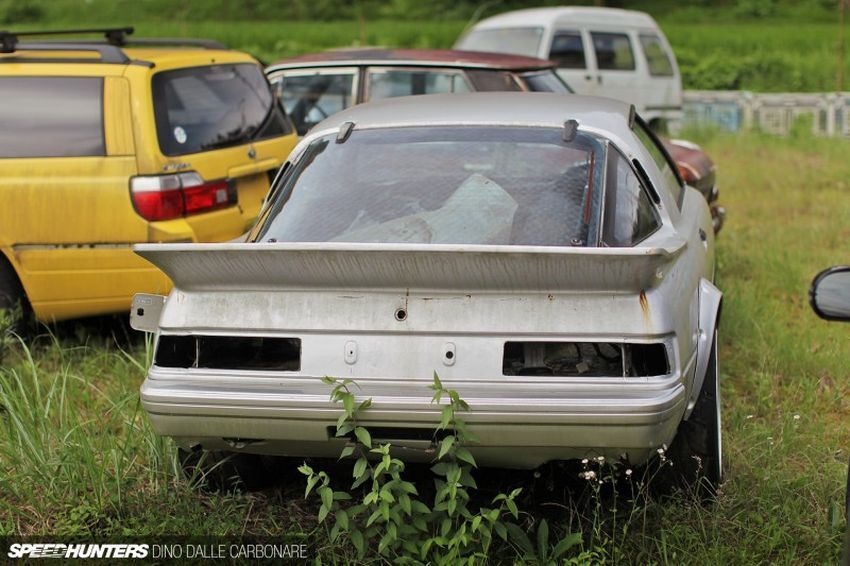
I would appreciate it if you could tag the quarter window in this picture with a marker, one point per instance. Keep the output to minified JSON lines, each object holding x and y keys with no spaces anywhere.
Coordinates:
{"x":613,"y":51}
{"x":630,"y":216}
{"x":389,"y":83}
{"x":51,"y":117}
{"x":671,"y":181}
{"x":567,"y":50}
{"x":656,"y":55}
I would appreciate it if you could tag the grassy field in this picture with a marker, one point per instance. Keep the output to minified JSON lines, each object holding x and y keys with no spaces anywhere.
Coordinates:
{"x":77,"y":455}
{"x":772,"y":56}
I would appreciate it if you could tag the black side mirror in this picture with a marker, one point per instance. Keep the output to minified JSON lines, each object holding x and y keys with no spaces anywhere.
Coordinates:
{"x":830,"y":294}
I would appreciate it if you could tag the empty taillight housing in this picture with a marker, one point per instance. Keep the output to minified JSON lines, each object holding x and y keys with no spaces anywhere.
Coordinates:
{"x":163,"y":197}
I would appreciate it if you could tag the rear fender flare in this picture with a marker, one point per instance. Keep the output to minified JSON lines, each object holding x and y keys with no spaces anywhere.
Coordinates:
{"x":710,"y":300}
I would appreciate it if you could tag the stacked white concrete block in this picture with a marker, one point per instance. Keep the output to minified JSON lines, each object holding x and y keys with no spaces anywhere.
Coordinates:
{"x":776,"y":113}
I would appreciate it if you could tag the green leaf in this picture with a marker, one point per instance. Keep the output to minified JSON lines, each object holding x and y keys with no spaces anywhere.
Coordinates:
{"x":344,"y":429}
{"x":565,"y":544}
{"x":305,"y":469}
{"x":446,"y":417}
{"x":465,"y":455}
{"x":445,"y":527}
{"x":327,"y":496}
{"x":445,"y":446}
{"x":328,"y":380}
{"x":373,"y":517}
{"x":363,"y":436}
{"x":467,"y":480}
{"x":341,"y":496}
{"x":452,"y":506}
{"x":500,"y":529}
{"x":346,"y":452}
{"x":323,"y":512}
{"x":311,"y":483}
{"x":404,"y":501}
{"x":543,"y":539}
{"x":342,"y":519}
{"x":519,"y":539}
{"x":359,"y":468}
{"x":364,"y":405}
{"x":357,"y":540}
{"x":335,"y":532}
{"x":420,"y":507}
{"x":512,"y":507}
{"x":387,"y":496}
{"x":439,"y":469}
{"x":476,"y":522}
{"x":348,"y":404}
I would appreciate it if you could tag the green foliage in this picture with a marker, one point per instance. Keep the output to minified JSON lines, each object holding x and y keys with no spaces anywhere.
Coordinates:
{"x":392,"y":522}
{"x":15,"y":12}
{"x":755,"y":8}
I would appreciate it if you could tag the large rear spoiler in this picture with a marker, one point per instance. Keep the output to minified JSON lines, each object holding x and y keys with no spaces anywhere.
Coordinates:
{"x":276,"y":266}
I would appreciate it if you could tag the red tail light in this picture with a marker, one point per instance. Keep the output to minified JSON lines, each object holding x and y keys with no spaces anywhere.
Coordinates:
{"x":163,"y":197}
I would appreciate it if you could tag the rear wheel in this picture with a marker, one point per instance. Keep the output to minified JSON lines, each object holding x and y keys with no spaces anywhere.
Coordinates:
{"x":696,"y":454}
{"x":219,"y":470}
{"x":13,"y":301}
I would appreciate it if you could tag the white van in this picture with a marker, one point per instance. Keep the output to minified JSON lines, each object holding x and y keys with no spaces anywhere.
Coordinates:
{"x":609,"y":52}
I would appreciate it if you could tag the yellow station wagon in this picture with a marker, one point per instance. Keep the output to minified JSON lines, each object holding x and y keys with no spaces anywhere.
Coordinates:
{"x":107,"y":143}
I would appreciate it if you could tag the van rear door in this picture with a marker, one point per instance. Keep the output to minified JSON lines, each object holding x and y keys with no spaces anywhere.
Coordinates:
{"x":569,"y":49}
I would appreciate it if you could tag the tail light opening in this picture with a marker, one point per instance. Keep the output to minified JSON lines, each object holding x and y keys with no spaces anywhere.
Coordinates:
{"x":164,"y":197}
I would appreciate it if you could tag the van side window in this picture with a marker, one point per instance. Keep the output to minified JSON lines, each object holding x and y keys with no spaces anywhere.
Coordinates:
{"x":657,"y":57}
{"x":567,"y":50}
{"x":630,"y":216}
{"x":51,"y":117}
{"x":613,"y":51}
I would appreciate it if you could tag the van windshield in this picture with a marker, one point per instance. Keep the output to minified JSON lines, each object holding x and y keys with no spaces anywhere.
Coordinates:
{"x":442,"y":185}
{"x":203,"y":108}
{"x":519,"y":41}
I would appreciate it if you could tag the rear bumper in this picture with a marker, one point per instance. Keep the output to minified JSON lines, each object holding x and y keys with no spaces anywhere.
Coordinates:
{"x":517,"y":427}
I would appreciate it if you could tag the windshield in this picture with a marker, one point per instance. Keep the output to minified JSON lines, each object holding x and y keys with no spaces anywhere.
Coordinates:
{"x":518,"y":41}
{"x":545,"y":81}
{"x":202,"y":108}
{"x":446,"y":185}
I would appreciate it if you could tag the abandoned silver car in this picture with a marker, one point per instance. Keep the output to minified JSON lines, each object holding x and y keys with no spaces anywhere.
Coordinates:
{"x":529,"y":248}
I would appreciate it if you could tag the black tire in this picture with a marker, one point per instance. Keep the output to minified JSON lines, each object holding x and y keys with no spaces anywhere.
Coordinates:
{"x":696,"y":453}
{"x":219,"y":470}
{"x":13,"y":298}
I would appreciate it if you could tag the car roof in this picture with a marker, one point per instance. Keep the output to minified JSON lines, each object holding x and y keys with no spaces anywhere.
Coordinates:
{"x":574,"y":14}
{"x":414,"y":57}
{"x":541,"y":109}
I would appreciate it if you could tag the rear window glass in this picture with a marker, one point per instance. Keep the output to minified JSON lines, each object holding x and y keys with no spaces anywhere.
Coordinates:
{"x":519,"y":41}
{"x":613,"y":51}
{"x":545,"y":81}
{"x":389,"y":83}
{"x":204,"y":108}
{"x":492,"y":81}
{"x":51,"y":117}
{"x":310,"y":98}
{"x":656,"y":56}
{"x":450,"y":185}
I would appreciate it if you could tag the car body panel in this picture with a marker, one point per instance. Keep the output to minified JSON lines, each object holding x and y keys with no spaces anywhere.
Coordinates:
{"x":342,"y":302}
{"x":68,"y":223}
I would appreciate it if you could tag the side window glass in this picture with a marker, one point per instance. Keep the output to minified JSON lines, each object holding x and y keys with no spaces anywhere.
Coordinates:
{"x":657,"y":57}
{"x":662,"y":160}
{"x":567,"y":50}
{"x":51,"y":117}
{"x":630,"y":216}
{"x":391,"y":83}
{"x":613,"y":51}
{"x":309,"y":99}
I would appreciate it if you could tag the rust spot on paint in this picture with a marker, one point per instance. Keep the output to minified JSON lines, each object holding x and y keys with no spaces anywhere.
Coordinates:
{"x":644,"y":305}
